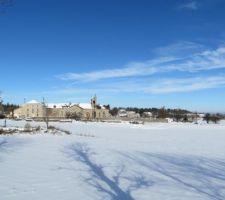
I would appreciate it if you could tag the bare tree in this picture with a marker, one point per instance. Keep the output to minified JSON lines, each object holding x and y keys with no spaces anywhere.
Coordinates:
{"x":46,"y":118}
{"x":215,"y":118}
{"x":2,"y":115}
{"x":1,"y":101}
{"x":207,"y":117}
{"x":162,"y":113}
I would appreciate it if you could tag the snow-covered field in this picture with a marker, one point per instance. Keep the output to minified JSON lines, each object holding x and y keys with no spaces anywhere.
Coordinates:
{"x":114,"y":161}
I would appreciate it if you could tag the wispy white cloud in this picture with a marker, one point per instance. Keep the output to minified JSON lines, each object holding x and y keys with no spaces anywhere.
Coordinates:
{"x":203,"y":61}
{"x":169,"y":85}
{"x":111,"y":73}
{"x":186,"y":84}
{"x":151,"y":86}
{"x":197,"y":61}
{"x":148,"y":67}
{"x":193,"y":5}
{"x":181,"y":48}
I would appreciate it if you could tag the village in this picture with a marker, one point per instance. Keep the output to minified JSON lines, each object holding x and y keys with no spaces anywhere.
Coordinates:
{"x":93,"y":111}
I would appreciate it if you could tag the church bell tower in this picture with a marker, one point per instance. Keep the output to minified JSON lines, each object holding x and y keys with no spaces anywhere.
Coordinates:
{"x":93,"y":105}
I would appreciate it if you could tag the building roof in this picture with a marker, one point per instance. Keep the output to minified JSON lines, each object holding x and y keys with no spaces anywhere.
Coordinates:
{"x":56,"y":105}
{"x":60,"y":105}
{"x":103,"y":107}
{"x":32,"y":102}
{"x":85,"y":105}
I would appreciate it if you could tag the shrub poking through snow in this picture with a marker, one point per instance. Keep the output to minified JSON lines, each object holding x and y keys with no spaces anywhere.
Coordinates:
{"x":38,"y":128}
{"x":27,"y":128}
{"x":55,"y":130}
{"x":64,"y":131}
{"x":33,"y":130}
{"x":51,"y":128}
{"x":213,"y":118}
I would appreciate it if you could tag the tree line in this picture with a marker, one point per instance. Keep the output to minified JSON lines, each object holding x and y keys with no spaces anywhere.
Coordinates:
{"x":6,"y":109}
{"x":156,"y":112}
{"x":176,"y":114}
{"x":215,"y":118}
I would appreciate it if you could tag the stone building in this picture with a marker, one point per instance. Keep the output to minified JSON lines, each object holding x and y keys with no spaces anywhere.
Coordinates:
{"x":31,"y":109}
{"x":88,"y":111}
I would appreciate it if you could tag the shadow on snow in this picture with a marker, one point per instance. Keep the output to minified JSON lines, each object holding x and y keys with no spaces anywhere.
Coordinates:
{"x":3,"y":144}
{"x":198,"y":175}
{"x":98,"y":179}
{"x":9,"y":144}
{"x":201,"y":175}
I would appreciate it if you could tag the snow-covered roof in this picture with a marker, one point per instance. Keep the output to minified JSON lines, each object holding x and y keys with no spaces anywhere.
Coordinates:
{"x":60,"y":105}
{"x":131,"y":112}
{"x":102,"y":107}
{"x":147,"y":113}
{"x":122,"y":114}
{"x":32,"y":102}
{"x":85,"y":105}
{"x":57,"y":105}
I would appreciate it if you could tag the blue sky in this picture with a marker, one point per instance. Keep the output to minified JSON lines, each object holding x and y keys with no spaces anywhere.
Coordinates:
{"x":145,"y":53}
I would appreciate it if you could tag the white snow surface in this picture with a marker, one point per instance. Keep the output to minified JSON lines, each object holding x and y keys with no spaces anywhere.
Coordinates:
{"x":32,"y":102}
{"x":60,"y":105}
{"x":156,"y":161}
{"x":56,"y":105}
{"x":85,"y":105}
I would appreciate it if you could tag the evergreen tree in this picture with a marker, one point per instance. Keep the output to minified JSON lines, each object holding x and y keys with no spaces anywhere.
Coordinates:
{"x":207,"y":117}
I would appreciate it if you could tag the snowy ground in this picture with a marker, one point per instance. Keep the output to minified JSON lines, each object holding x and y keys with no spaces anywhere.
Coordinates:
{"x":115,"y":161}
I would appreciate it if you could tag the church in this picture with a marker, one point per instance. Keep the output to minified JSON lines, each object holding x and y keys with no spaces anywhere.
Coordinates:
{"x":39,"y":110}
